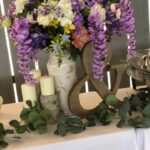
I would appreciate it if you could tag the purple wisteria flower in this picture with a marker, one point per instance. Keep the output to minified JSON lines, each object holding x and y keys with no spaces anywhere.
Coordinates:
{"x":19,"y":32}
{"x":78,"y":20}
{"x":98,"y":37}
{"x":129,"y":24}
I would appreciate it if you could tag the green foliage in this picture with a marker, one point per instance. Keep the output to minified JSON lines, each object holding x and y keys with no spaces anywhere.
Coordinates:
{"x":125,"y":108}
{"x":111,"y":100}
{"x":34,"y":118}
{"x":146,"y":110}
{"x":91,"y":121}
{"x":73,"y":124}
{"x":140,"y":103}
{"x":105,"y":114}
{"x":121,"y":123}
{"x":3,"y":133}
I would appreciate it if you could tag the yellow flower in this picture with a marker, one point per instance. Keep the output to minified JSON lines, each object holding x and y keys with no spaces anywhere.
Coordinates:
{"x":55,"y":23}
{"x":68,"y":28}
{"x":6,"y":22}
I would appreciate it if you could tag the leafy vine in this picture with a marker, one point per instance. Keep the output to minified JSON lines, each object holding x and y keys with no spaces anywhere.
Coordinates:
{"x":133,"y":111}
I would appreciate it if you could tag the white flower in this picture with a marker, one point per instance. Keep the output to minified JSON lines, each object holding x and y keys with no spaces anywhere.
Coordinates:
{"x":118,"y":13}
{"x":113,"y":7}
{"x":67,"y":13}
{"x":20,"y":5}
{"x":53,"y":2}
{"x":30,"y":18}
{"x":45,"y":20}
{"x":98,"y":8}
{"x":64,"y":21}
{"x":115,"y":10}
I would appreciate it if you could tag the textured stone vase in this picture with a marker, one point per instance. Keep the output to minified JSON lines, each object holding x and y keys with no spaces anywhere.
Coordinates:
{"x":65,"y":76}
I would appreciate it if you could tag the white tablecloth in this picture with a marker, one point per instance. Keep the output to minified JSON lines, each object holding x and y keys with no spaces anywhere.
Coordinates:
{"x":116,"y":141}
{"x":143,"y":139}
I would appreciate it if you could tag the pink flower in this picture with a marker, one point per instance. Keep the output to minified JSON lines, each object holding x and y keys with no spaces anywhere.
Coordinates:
{"x":81,"y":38}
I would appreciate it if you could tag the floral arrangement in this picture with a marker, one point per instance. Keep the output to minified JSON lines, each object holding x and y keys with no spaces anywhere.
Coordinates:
{"x":64,"y":25}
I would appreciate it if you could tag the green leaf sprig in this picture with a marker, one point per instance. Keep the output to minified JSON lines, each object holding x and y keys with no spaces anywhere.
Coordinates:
{"x":3,"y":133}
{"x":69,"y":124}
{"x":34,"y":118}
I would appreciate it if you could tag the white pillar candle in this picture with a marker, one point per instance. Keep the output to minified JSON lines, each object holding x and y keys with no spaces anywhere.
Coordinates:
{"x":1,"y":101}
{"x":47,"y":85}
{"x":36,"y":75}
{"x":28,"y":92}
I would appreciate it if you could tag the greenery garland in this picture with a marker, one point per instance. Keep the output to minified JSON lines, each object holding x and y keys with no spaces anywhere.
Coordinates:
{"x":36,"y":118}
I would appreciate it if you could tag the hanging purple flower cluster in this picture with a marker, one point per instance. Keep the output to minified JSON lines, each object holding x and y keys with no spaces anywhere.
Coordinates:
{"x":129,"y":24}
{"x":117,"y":17}
{"x":78,"y":20}
{"x":20,"y":33}
{"x":114,"y":25}
{"x":98,"y":37}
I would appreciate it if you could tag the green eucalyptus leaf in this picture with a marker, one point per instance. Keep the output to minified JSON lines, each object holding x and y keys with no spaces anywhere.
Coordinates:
{"x":33,"y":116}
{"x":62,"y":129}
{"x":1,"y":128}
{"x":38,"y":123}
{"x":121,"y":123}
{"x":111,"y":100}
{"x":75,"y":121}
{"x":31,"y":127}
{"x":146,"y":110}
{"x":41,"y":129}
{"x":105,"y":117}
{"x":38,"y":106}
{"x":3,"y":144}
{"x":142,"y":95}
{"x":136,"y":102}
{"x":91,"y":121}
{"x":16,"y":137}
{"x":102,"y":107}
{"x":29,"y":104}
{"x":14,"y":123}
{"x":108,"y":118}
{"x":76,"y":129}
{"x":21,"y":129}
{"x":102,"y":114}
{"x":24,"y":114}
{"x":9,"y":131}
{"x":136,"y":122}
{"x":124,"y":109}
{"x":46,"y":114}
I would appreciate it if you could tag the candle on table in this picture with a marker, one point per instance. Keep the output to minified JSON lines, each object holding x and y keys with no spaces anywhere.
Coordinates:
{"x":28,"y":92}
{"x":47,"y":85}
{"x":36,"y":74}
{"x":1,"y":101}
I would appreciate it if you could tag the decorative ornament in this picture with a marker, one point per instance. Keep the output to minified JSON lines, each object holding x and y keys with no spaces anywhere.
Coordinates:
{"x":100,"y":86}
